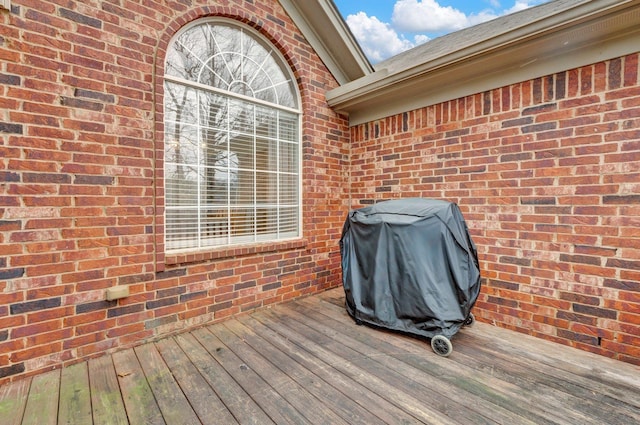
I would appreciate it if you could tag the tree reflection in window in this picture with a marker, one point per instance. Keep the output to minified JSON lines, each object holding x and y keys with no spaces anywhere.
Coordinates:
{"x":232,"y":144}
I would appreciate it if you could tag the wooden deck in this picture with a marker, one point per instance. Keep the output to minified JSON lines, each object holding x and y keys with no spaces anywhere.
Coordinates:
{"x":306,"y":362}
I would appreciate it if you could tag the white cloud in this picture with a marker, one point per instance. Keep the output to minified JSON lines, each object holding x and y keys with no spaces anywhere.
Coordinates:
{"x":377,"y":39}
{"x":426,"y":16}
{"x":429,"y":16}
{"x":478,"y":18}
{"x":518,"y":6}
{"x":420,"y":39}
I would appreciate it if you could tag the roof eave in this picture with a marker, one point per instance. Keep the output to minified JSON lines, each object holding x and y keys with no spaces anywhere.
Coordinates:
{"x":589,"y":33}
{"x":326,"y":31}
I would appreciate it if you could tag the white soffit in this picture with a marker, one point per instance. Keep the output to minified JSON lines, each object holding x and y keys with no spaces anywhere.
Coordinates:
{"x":587,"y":33}
{"x":323,"y":27}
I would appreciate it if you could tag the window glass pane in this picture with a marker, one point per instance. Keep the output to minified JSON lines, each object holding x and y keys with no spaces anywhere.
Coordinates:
{"x":256,"y":52}
{"x":216,"y":189}
{"x":215,"y":73}
{"x":266,"y":223}
{"x":286,"y":94}
{"x":266,"y":188}
{"x":180,"y":189}
{"x":241,"y":118}
{"x":183,"y":232}
{"x":213,"y":111}
{"x":288,"y":221}
{"x":288,"y":127}
{"x":288,"y":189}
{"x":266,"y":122}
{"x":266,"y":154}
{"x":274,"y":71}
{"x":215,"y":225}
{"x":195,"y":45}
{"x":251,"y":73}
{"x":179,"y":61}
{"x":226,"y":38}
{"x":181,"y":144}
{"x":243,"y":145}
{"x":268,"y":93}
{"x":288,"y":157}
{"x":215,"y":148}
{"x":242,"y":224}
{"x":180,"y":104}
{"x":246,"y":188}
{"x":238,"y":84}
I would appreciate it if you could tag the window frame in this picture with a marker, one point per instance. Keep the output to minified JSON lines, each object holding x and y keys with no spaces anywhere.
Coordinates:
{"x":277,"y":59}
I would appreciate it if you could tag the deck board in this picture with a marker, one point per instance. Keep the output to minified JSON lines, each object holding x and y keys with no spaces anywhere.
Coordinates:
{"x":307,"y":362}
{"x":106,"y":398}
{"x":13,"y":399}
{"x":278,"y":408}
{"x":243,"y":408}
{"x":42,"y":403}
{"x":137,"y":396}
{"x":173,"y":403}
{"x":202,"y":398}
{"x":75,"y":396}
{"x":308,"y":407}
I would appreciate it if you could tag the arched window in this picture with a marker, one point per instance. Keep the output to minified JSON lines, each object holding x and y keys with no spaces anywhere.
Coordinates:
{"x":232,"y":139}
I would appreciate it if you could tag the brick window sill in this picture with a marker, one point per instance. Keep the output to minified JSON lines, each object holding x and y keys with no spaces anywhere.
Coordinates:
{"x":233,"y":252}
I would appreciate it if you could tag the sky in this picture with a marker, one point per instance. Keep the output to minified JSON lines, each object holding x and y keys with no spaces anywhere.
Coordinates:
{"x":384,"y":28}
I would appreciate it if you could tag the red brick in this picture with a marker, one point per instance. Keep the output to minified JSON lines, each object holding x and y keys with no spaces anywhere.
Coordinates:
{"x":631,"y":297}
{"x":34,"y":352}
{"x":76,"y":342}
{"x":633,"y":320}
{"x":37,"y":328}
{"x":630,"y":71}
{"x":89,"y":328}
{"x":48,"y":269}
{"x":49,"y":314}
{"x":49,"y":338}
{"x":125,"y":330}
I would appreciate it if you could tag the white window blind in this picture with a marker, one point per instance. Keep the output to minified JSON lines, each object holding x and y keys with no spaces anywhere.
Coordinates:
{"x":232,"y":142}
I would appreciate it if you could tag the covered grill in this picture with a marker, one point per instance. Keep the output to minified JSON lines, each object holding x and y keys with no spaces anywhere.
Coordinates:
{"x":410,"y":265}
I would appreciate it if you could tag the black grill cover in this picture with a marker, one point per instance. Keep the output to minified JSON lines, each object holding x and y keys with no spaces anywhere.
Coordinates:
{"x":409,"y":265}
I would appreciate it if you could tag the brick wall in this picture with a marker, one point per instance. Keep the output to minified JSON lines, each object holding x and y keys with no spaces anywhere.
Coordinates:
{"x":81,"y":191}
{"x":547,"y":174}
